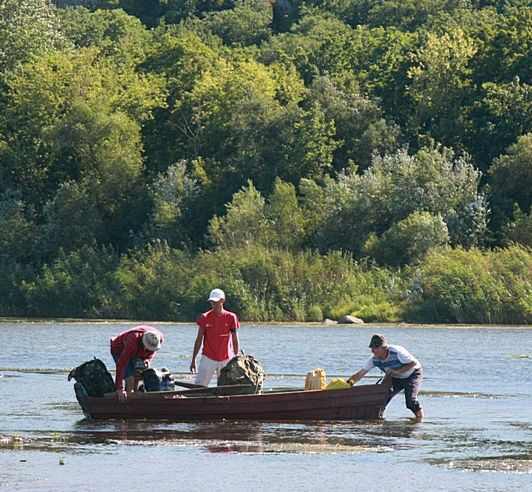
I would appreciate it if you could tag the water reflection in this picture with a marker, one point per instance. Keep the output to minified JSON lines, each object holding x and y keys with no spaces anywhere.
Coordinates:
{"x":222,"y":437}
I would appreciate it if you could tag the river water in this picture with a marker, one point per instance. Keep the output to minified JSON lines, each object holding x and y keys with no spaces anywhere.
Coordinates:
{"x":477,"y":435}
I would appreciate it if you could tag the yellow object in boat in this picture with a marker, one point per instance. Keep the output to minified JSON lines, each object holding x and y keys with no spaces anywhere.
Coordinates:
{"x":338,"y":384}
{"x":316,"y":380}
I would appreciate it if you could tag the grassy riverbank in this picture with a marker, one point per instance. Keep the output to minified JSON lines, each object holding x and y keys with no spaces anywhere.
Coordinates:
{"x":161,"y":283}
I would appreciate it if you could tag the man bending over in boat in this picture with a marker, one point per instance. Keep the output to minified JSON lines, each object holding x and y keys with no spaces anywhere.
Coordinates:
{"x":131,"y":348}
{"x":217,"y":333}
{"x":404,"y":369}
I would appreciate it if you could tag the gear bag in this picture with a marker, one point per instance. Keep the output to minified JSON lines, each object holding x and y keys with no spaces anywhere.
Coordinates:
{"x":244,"y":370}
{"x":158,"y":380}
{"x":94,"y":377}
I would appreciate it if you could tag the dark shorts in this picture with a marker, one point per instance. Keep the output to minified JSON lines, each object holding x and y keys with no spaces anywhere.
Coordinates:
{"x":411,"y":386}
{"x":131,"y":365}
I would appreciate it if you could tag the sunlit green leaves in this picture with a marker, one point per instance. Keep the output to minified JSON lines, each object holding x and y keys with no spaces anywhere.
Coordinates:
{"x":27,"y":28}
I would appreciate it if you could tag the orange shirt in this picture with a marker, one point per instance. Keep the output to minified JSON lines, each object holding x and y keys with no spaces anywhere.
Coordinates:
{"x":217,"y":343}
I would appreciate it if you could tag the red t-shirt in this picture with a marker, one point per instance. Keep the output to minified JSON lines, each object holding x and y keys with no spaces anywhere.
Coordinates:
{"x":217,"y":343}
{"x":127,"y":345}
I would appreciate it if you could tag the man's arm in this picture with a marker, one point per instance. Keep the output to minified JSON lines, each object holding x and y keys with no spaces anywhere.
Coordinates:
{"x":236,"y":343}
{"x":197,"y":345}
{"x":130,"y":349}
{"x":357,"y":377}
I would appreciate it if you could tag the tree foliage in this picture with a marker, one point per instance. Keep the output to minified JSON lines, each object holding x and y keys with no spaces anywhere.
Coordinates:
{"x":27,"y":28}
{"x":150,"y":142}
{"x":433,"y":180}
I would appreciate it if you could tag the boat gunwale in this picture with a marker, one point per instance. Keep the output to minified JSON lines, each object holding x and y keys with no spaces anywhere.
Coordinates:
{"x":197,"y":393}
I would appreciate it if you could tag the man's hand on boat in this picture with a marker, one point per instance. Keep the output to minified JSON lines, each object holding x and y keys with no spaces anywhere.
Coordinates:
{"x":355,"y":378}
{"x":193,"y":366}
{"x":121,"y":395}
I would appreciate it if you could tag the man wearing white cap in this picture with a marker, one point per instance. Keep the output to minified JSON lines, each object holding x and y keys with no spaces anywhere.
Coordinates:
{"x":217,"y":333}
{"x":130,"y":347}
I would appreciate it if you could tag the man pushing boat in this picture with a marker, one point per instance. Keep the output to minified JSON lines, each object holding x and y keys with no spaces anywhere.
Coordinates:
{"x":217,"y":333}
{"x":404,"y":369}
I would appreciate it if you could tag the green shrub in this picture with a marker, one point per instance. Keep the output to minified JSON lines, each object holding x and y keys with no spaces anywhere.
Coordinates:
{"x":265,"y":284}
{"x":408,"y":240}
{"x":77,"y":284}
{"x":458,"y":286}
{"x":314,"y":313}
{"x":12,"y":299}
{"x":153,"y":284}
{"x":520,"y":229}
{"x":394,"y":187}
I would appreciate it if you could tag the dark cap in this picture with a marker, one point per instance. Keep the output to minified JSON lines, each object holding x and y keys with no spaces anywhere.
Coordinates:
{"x":377,"y":341}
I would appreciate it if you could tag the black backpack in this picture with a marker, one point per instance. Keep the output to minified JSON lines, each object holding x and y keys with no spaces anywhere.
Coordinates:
{"x":94,"y":377}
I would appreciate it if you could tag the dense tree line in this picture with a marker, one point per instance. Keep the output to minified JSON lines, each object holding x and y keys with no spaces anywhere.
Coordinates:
{"x":314,"y":157}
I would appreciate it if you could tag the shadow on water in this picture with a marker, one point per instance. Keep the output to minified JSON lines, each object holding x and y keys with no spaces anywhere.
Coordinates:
{"x":91,"y":436}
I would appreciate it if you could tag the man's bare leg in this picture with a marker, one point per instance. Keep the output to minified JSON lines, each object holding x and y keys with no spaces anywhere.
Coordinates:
{"x":130,"y":384}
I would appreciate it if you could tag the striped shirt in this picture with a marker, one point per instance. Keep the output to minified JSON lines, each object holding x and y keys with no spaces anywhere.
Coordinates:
{"x":397,"y":357}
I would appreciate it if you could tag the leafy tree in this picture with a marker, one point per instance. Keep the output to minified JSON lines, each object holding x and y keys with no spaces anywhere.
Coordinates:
{"x":360,"y":125}
{"x":285,"y":216}
{"x":153,"y":12}
{"x":410,"y":14}
{"x":119,"y":36}
{"x":102,"y":153}
{"x":63,"y":108}
{"x":458,"y":286}
{"x":305,"y":144}
{"x":181,"y":57}
{"x":27,"y":28}
{"x":18,"y":231}
{"x":519,"y":230}
{"x":433,"y":180}
{"x":511,"y":181}
{"x":244,"y":223}
{"x":173,"y":194}
{"x":406,"y":15}
{"x":247,"y":23}
{"x":409,"y":240}
{"x":79,"y":283}
{"x":440,"y":85}
{"x":500,"y":116}
{"x":319,"y":44}
{"x":506,"y":54}
{"x":323,"y":46}
{"x":73,"y":218}
{"x":240,"y":118}
{"x":154,"y":283}
{"x":14,"y":274}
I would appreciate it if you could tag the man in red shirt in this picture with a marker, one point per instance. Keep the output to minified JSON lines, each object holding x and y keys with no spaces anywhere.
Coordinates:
{"x":130,"y":347}
{"x":217,"y":332}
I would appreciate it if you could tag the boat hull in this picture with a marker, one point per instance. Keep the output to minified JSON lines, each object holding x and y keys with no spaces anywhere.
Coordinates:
{"x":359,"y":402}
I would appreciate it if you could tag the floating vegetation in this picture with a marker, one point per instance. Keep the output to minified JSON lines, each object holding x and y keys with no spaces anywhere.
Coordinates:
{"x":463,"y":394}
{"x":514,"y":464}
{"x":13,"y":442}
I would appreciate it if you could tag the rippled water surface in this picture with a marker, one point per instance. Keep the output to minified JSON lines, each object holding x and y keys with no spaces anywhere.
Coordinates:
{"x":477,"y":435}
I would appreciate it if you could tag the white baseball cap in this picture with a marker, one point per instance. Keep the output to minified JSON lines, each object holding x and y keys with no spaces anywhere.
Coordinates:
{"x":216,"y":295}
{"x":152,"y":341}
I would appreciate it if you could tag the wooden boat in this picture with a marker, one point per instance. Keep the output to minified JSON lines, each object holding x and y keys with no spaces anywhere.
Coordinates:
{"x":360,"y":402}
